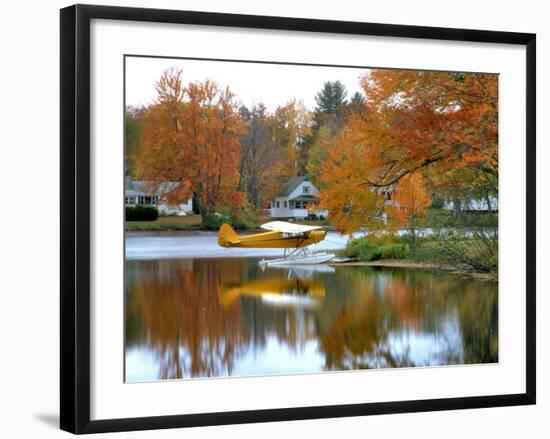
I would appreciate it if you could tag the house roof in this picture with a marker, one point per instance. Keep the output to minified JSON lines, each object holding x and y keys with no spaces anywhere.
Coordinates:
{"x":291,"y":185}
{"x":132,"y":187}
{"x":138,"y":187}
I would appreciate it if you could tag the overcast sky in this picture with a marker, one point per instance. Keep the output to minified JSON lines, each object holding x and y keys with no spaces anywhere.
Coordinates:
{"x":271,"y":84}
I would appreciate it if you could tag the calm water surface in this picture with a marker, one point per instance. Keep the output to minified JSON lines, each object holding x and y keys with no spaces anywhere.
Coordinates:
{"x":205,"y":314}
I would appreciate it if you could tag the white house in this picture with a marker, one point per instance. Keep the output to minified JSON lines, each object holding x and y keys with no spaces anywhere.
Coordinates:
{"x":294,"y":199}
{"x":140,"y":193}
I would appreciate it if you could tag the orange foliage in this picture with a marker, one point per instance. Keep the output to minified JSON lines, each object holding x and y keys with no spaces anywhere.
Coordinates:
{"x":410,"y":199}
{"x":415,"y":119}
{"x":419,"y":124}
{"x":191,"y":137}
{"x":351,"y":204}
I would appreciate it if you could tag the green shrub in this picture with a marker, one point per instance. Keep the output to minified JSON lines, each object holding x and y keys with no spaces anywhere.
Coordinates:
{"x":245,"y":219}
{"x":368,"y":253}
{"x":353,"y":247}
{"x":372,"y":248}
{"x":394,"y":251}
{"x":141,"y":213}
{"x":213,"y":221}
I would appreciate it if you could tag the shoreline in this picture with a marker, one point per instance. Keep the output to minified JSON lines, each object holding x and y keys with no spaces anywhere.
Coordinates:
{"x":404,"y":263}
{"x":172,"y":223}
{"x":388,"y":263}
{"x":140,"y":228}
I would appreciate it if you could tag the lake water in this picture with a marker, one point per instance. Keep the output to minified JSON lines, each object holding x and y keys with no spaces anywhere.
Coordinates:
{"x":193,"y":309}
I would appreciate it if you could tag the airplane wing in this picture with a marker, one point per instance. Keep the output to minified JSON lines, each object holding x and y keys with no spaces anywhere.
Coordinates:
{"x":285,"y":227}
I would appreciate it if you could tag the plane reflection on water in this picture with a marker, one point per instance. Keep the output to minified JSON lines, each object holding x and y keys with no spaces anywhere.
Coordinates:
{"x":217,"y":317}
{"x":275,"y":291}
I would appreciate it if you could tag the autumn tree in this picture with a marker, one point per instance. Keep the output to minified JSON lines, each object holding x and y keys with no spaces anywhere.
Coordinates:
{"x":318,"y":154}
{"x":190,"y":138}
{"x":257,"y":158}
{"x":291,"y":127}
{"x":409,"y":203}
{"x":133,"y":122}
{"x":356,"y":103}
{"x":327,"y":126}
{"x":442,"y":125}
{"x":328,"y":118}
{"x":438,"y":120}
{"x":350,"y":203}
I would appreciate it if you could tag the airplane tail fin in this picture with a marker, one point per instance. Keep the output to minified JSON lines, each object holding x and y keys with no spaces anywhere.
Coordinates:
{"x":227,"y":236}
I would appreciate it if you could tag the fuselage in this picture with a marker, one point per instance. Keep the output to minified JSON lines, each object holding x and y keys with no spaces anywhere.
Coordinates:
{"x":277,"y":239}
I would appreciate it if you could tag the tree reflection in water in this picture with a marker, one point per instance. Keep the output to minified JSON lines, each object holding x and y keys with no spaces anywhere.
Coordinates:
{"x":204,"y":317}
{"x":175,"y":313}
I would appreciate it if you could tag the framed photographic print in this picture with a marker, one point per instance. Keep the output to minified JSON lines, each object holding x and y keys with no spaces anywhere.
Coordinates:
{"x":268,"y":218}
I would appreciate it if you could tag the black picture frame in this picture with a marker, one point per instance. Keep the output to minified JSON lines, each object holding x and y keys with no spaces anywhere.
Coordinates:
{"x":75,"y":217}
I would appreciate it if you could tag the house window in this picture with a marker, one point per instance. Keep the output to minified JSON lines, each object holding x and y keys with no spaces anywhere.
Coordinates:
{"x":305,"y":189}
{"x":146,"y":200}
{"x":285,"y":205}
{"x":277,"y":204}
{"x":299,"y":205}
{"x":291,"y":204}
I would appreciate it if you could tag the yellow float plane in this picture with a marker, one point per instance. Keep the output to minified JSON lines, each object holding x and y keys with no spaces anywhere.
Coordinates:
{"x":283,"y":235}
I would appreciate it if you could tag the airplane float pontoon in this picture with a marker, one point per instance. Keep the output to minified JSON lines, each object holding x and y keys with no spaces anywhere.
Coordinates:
{"x":293,"y":238}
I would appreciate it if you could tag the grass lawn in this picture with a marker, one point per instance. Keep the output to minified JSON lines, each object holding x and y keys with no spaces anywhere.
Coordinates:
{"x":187,"y":222}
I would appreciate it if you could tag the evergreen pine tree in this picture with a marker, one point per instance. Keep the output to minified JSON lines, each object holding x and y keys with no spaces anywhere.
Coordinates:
{"x":331,"y":97}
